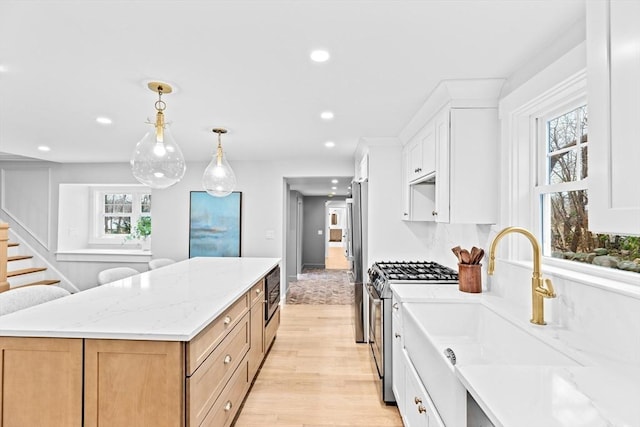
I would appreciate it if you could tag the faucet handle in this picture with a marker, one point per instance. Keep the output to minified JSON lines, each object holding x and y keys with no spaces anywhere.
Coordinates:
{"x":546,"y":290}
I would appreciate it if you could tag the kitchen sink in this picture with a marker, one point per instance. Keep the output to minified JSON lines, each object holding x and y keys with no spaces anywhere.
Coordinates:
{"x":477,"y":335}
{"x":469,"y":333}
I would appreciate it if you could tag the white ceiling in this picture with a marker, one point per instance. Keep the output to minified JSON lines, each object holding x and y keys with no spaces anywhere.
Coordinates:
{"x":244,"y":65}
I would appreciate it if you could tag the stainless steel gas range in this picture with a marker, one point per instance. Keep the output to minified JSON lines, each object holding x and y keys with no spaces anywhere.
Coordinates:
{"x":381,"y":276}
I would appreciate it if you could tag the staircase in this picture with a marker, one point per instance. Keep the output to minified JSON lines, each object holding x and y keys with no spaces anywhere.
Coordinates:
{"x":17,"y":269}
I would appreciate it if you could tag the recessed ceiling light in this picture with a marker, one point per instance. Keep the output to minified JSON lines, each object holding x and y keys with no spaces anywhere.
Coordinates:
{"x":329,"y":144}
{"x":43,"y":148}
{"x":334,"y":181}
{"x":334,"y":188}
{"x":104,"y":120}
{"x":333,"y":193}
{"x":320,"y":56}
{"x":326,"y":115}
{"x":348,"y":188}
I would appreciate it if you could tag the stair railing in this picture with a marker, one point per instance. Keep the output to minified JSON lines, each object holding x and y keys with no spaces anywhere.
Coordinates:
{"x":4,"y":242}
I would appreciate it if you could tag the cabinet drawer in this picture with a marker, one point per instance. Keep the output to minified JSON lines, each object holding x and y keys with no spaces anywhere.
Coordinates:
{"x":203,"y":388}
{"x":271,"y":329}
{"x":203,"y":344}
{"x":228,"y":404}
{"x":257,"y":293}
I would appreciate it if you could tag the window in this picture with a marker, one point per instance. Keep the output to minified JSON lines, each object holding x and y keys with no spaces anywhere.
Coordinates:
{"x":116,"y":211}
{"x":563,"y":195}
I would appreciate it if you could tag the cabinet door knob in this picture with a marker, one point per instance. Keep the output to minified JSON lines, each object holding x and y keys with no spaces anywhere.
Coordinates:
{"x":228,"y":406}
{"x":227,"y":320}
{"x":227,"y":359}
{"x":258,"y":291}
{"x":395,"y":306}
{"x":434,"y":213}
{"x":417,"y":400}
{"x":397,"y":335}
{"x":422,"y":409}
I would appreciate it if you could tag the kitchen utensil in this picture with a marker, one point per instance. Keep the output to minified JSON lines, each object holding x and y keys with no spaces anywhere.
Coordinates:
{"x":479,"y":256}
{"x":465,"y":256}
{"x":456,"y":250}
{"x":474,"y":254}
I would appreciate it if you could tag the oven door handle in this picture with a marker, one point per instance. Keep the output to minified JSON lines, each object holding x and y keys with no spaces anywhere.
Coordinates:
{"x":373,"y":294}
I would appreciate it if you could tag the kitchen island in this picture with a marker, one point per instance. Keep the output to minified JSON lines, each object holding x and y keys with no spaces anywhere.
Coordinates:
{"x":176,"y":346}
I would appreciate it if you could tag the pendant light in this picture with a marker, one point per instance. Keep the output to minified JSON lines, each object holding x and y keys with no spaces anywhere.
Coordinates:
{"x":219,"y":179}
{"x":157,"y":160}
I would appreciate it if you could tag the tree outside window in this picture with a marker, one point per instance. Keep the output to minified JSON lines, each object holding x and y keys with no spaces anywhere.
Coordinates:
{"x":564,"y":199}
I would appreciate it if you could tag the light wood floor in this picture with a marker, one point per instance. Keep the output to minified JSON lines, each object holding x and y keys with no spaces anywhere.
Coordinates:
{"x":316,"y":375}
{"x":336,"y":260}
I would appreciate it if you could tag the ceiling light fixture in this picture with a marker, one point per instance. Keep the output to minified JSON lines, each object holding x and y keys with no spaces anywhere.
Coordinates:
{"x":219,"y":179}
{"x":334,"y":181}
{"x":334,"y":188}
{"x":320,"y":56}
{"x":157,"y":160}
{"x":326,"y":115}
{"x":104,"y":120}
{"x":43,"y":148}
{"x":329,"y":144}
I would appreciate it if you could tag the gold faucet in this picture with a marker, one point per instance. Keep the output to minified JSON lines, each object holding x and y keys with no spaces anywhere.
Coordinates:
{"x":540,"y":288}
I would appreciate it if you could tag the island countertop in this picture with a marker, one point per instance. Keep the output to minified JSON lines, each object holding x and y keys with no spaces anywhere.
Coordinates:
{"x":172,"y":303}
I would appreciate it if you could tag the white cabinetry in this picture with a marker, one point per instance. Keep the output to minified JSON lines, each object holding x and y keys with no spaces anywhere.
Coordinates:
{"x":398,"y":382}
{"x":613,"y":58}
{"x":417,"y":199}
{"x":466,"y":182}
{"x":419,"y":408}
{"x":458,"y":182}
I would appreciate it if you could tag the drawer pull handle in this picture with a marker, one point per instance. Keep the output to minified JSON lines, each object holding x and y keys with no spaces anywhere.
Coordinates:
{"x":227,"y":406}
{"x":434,"y":213}
{"x":227,"y":359}
{"x":227,"y":320}
{"x":397,"y":335}
{"x":417,"y":400}
{"x":422,"y":409}
{"x":395,"y":305}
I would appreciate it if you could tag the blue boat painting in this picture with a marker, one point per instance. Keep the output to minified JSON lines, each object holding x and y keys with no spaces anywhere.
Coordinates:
{"x":215,"y":225}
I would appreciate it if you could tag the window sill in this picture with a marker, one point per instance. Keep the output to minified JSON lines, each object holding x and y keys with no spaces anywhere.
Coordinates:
{"x":105,"y":255}
{"x":618,"y":281}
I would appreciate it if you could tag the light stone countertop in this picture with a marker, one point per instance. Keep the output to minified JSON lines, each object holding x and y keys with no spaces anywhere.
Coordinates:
{"x":172,"y":303}
{"x":593,"y":393}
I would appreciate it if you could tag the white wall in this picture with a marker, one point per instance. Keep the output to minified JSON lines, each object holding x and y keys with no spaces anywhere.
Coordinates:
{"x":262,"y":198}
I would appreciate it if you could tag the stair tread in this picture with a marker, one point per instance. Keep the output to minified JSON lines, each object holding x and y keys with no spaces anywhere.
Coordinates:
{"x":25,"y":271}
{"x":41,"y":282}
{"x":19,"y":257}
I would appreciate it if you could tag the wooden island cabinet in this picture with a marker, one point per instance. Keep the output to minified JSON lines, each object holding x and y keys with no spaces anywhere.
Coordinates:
{"x":190,"y":364}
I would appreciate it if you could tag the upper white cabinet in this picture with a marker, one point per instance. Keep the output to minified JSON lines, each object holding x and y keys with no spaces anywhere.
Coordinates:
{"x":613,"y":59}
{"x":459,"y":143}
{"x":421,"y":151}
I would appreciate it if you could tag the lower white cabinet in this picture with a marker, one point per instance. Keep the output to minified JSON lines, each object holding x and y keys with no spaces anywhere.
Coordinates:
{"x":419,"y":410}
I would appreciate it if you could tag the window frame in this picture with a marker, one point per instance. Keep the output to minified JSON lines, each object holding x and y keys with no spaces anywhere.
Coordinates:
{"x":97,"y":214}
{"x":540,"y":164}
{"x":551,"y":89}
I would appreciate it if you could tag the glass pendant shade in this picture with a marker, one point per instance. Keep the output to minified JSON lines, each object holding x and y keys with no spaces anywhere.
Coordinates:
{"x":219,"y":179}
{"x":157,"y":160}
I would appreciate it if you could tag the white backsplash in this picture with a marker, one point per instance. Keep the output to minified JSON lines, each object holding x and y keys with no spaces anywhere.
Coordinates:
{"x":601,"y":322}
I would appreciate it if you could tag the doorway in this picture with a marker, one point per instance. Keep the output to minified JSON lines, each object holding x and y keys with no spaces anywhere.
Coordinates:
{"x":335,"y":242}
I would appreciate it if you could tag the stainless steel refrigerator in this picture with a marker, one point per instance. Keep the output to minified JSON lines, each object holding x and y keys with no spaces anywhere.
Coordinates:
{"x":357,"y":254}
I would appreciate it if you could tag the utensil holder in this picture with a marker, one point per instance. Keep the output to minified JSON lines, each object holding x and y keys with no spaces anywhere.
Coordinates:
{"x":470,"y":278}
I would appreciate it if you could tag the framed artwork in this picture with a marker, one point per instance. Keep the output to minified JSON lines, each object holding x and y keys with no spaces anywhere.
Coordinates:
{"x":215,"y":225}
